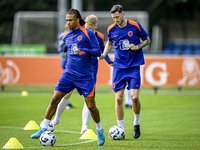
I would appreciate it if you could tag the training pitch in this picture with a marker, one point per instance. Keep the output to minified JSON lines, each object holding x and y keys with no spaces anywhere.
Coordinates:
{"x":170,"y":120}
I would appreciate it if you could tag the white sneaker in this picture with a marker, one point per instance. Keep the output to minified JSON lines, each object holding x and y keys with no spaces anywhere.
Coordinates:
{"x":83,"y":131}
{"x":55,"y":122}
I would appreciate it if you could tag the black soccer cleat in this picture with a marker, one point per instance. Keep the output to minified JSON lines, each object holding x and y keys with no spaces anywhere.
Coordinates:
{"x":128,"y":106}
{"x":136,"y":133}
{"x":70,"y":106}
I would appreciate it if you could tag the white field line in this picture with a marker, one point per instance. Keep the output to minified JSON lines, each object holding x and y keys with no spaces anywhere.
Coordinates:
{"x":54,"y":130}
{"x":10,"y":127}
{"x":55,"y":145}
{"x":66,"y":144}
{"x":67,"y":131}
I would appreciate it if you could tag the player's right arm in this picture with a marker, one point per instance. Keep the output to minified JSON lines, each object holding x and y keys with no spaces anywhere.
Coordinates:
{"x":107,"y":49}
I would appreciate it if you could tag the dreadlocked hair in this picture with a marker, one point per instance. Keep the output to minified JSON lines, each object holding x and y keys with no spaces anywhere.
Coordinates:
{"x":77,"y":14}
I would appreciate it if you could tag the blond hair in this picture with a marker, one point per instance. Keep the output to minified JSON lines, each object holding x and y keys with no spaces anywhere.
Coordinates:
{"x":91,"y":19}
{"x":66,"y":27}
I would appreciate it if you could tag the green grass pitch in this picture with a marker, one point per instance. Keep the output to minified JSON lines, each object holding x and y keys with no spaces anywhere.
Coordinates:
{"x":168,"y":122}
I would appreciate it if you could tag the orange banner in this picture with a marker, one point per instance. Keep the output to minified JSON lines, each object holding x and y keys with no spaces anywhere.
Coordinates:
{"x":175,"y":71}
{"x":30,"y":70}
{"x":157,"y":71}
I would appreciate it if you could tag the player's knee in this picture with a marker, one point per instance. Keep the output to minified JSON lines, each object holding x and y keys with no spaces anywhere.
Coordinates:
{"x":54,"y":101}
{"x":92,"y":108}
{"x":119,"y":100}
{"x":135,"y":99}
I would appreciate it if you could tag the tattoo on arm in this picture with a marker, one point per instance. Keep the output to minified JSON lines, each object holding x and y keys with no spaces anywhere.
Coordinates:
{"x":144,"y":43}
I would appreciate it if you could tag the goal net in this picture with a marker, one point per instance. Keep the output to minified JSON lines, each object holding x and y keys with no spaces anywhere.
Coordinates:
{"x":34,"y":28}
{"x":42,"y":27}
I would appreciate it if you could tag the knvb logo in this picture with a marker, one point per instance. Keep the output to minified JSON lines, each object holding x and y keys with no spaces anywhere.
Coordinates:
{"x":130,"y":33}
{"x":79,"y":37}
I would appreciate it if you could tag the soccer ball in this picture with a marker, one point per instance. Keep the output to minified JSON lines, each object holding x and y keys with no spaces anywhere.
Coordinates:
{"x":50,"y":126}
{"x":116,"y":133}
{"x":47,"y":138}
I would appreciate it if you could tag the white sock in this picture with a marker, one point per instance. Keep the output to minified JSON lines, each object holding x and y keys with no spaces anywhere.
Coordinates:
{"x":121,"y":123}
{"x":128,"y":99}
{"x":68,"y":102}
{"x":99,"y":127}
{"x":85,"y":116}
{"x":136,"y":119}
{"x":46,"y":123}
{"x":61,"y":107}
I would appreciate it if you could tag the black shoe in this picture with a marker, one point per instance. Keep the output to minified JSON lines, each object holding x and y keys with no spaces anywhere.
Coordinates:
{"x":128,"y":106}
{"x":136,"y":133}
{"x":69,"y":106}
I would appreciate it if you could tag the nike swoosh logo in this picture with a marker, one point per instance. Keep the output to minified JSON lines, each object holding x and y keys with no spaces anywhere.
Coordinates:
{"x":115,"y":35}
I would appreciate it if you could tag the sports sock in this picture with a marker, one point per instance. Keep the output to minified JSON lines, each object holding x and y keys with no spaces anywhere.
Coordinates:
{"x":128,"y":99}
{"x":121,"y":123}
{"x":136,"y":119}
{"x":85,"y":116}
{"x":61,"y":107}
{"x":68,"y":101}
{"x":45,"y":123}
{"x":99,"y":127}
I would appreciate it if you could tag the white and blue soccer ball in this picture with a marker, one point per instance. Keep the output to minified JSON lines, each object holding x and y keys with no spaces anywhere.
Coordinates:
{"x":47,"y":138}
{"x":50,"y":126}
{"x":116,"y":133}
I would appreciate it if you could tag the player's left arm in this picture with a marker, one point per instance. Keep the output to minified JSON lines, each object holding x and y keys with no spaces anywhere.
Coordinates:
{"x":94,"y":49}
{"x":144,"y":43}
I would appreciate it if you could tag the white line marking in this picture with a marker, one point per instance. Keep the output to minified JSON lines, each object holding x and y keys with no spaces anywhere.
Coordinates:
{"x":66,"y":144}
{"x":56,"y":131}
{"x":10,"y":127}
{"x":67,"y":131}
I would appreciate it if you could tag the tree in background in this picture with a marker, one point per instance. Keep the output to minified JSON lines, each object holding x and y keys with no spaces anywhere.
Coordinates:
{"x":158,"y":9}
